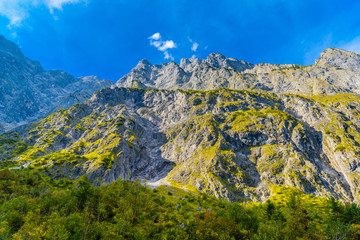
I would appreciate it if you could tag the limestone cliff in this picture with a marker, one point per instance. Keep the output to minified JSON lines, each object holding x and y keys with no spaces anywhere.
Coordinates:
{"x":233,"y":144}
{"x":219,"y":125}
{"x":337,"y":71}
{"x":28,"y":92}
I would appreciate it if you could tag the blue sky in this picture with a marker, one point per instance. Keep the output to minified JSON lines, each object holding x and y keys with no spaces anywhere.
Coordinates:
{"x":108,"y":37}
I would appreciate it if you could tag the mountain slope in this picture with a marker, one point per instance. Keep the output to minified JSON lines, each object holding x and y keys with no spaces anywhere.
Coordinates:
{"x":232,"y":144}
{"x":28,"y":92}
{"x":281,"y":125}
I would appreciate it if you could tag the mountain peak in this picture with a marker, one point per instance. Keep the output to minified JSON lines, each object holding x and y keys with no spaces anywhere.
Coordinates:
{"x":216,"y":60}
{"x":335,"y":57}
{"x":8,"y":47}
{"x":189,"y":64}
{"x":28,"y":92}
{"x":335,"y":52}
{"x":144,"y":62}
{"x":216,"y":56}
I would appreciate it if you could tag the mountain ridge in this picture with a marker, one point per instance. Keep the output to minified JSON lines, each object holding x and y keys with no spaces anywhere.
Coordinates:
{"x":221,"y":126}
{"x":29,"y":92}
{"x":334,"y":72}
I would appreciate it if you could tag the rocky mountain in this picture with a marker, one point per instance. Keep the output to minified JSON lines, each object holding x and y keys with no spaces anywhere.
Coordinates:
{"x":28,"y":92}
{"x":337,"y":71}
{"x":220,"y":126}
{"x":234,"y":144}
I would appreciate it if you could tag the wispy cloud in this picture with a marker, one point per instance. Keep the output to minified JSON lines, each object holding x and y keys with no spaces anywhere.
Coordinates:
{"x":353,"y":45}
{"x":155,"y":36}
{"x":168,"y":56}
{"x":194,"y":45}
{"x":18,"y":10}
{"x":163,"y":46}
{"x":57,"y":4}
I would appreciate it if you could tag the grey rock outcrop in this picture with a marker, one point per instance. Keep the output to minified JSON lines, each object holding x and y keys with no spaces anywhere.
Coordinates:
{"x":337,"y":71}
{"x":334,"y":57}
{"x":28,"y":92}
{"x":233,"y":144}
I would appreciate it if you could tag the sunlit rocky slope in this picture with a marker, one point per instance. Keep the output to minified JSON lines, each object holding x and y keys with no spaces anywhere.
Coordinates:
{"x":233,"y":144}
{"x":280,"y":125}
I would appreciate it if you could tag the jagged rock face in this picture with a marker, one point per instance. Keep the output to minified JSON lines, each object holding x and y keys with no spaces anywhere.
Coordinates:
{"x":217,"y":60}
{"x":333,"y":57}
{"x":232,"y":144}
{"x":146,"y":75}
{"x":28,"y":92}
{"x":337,"y":71}
{"x":184,"y":76}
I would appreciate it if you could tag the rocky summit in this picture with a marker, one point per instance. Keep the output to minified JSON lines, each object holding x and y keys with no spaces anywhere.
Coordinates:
{"x":337,"y":71}
{"x":221,"y":126}
{"x":28,"y":92}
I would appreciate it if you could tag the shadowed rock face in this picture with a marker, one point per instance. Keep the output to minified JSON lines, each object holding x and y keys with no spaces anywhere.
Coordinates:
{"x":28,"y":92}
{"x":232,"y":144}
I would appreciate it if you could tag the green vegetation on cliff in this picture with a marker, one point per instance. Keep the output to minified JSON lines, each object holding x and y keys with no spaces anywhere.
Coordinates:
{"x":233,"y":144}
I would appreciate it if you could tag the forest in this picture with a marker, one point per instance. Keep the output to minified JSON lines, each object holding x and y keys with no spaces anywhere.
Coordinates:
{"x":36,"y":206}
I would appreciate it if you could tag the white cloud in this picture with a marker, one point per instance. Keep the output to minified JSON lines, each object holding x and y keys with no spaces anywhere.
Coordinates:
{"x":168,"y":56}
{"x":155,"y":36}
{"x":156,"y":44}
{"x":166,"y":45}
{"x":353,"y":45}
{"x":194,"y":46}
{"x":14,"y":10}
{"x":52,"y":4}
{"x":18,"y":10}
{"x":163,"y":46}
{"x":193,"y":56}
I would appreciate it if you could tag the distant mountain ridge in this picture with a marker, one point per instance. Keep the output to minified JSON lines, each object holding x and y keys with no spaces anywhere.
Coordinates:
{"x":337,"y":71}
{"x":28,"y":92}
